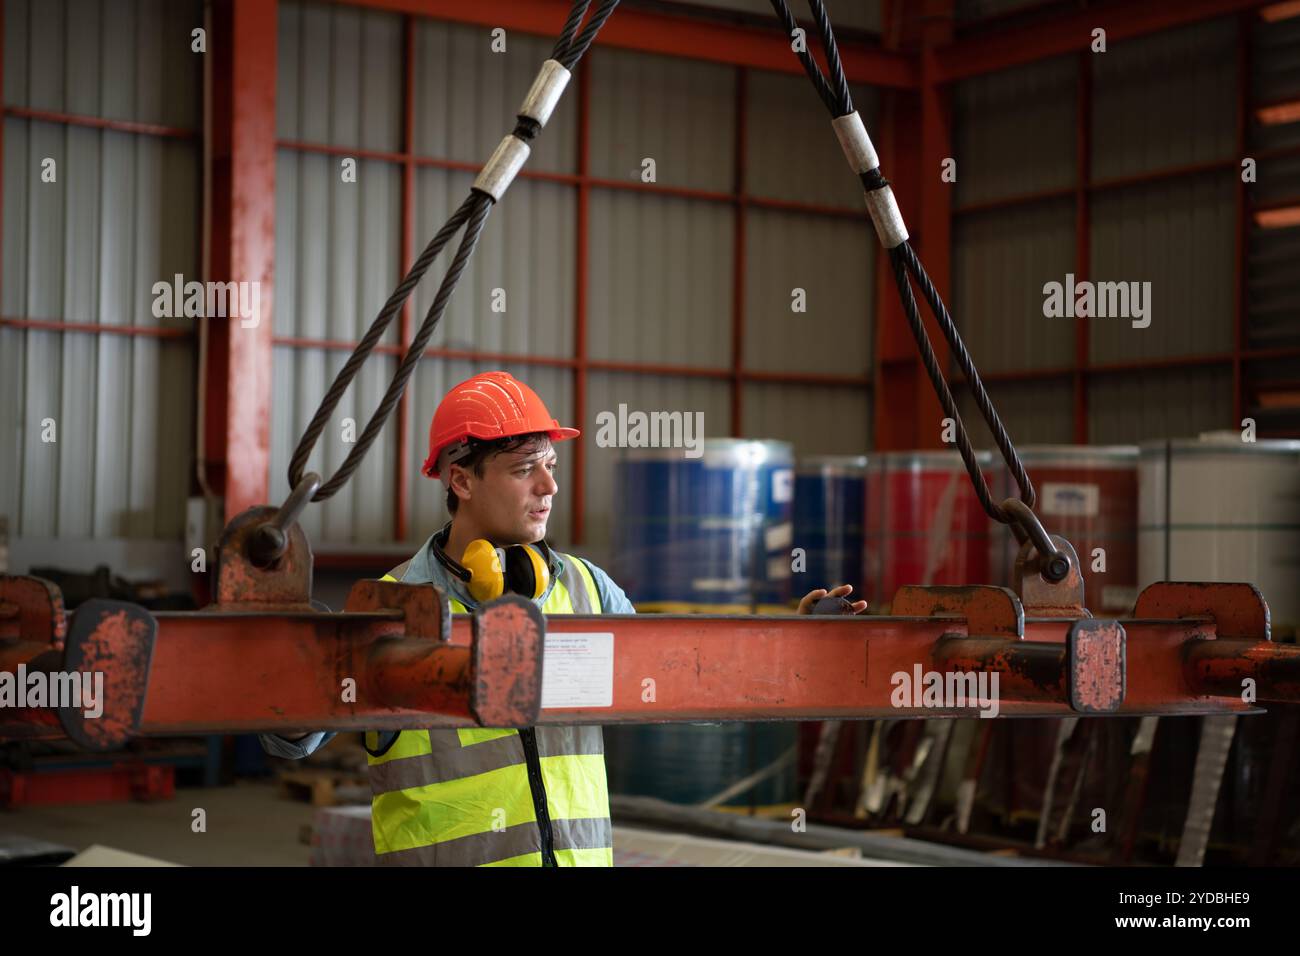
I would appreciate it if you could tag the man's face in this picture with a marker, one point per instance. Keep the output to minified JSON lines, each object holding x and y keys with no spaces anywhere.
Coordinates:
{"x":512,"y":501}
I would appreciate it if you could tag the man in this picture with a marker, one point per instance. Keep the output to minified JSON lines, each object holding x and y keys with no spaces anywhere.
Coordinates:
{"x":473,"y":796}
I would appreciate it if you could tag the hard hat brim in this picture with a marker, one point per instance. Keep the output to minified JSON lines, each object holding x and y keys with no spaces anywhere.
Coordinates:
{"x":557,"y":434}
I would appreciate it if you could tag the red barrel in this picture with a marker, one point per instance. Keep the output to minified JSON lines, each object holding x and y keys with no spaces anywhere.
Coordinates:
{"x":1087,"y":495}
{"x":924,"y":523}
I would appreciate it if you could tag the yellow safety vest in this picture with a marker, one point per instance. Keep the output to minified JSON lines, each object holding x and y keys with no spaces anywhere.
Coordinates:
{"x":484,"y":797}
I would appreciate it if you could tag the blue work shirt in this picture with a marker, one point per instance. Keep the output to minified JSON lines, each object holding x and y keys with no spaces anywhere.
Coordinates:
{"x":427,"y":568}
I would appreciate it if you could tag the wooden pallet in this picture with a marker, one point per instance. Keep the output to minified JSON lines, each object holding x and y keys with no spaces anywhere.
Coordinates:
{"x":318,"y":787}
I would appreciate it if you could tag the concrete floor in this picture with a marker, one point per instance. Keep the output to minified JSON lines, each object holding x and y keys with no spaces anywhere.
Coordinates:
{"x":248,"y":824}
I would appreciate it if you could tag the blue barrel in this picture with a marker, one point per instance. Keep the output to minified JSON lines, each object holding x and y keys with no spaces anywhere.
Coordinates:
{"x":709,"y":534}
{"x":829,"y":505}
{"x":704,"y":535}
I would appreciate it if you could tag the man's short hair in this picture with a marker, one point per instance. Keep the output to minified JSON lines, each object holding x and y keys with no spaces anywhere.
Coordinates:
{"x":480,"y":452}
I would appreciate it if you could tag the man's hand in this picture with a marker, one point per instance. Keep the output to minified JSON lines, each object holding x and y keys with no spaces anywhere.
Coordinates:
{"x":812,"y":597}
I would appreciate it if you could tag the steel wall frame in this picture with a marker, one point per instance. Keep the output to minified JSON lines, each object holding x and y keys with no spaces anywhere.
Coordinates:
{"x":970,"y":57}
{"x":903,"y":407}
{"x":645,"y":33}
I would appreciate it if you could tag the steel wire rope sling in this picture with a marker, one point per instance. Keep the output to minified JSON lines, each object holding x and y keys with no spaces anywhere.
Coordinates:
{"x":883,"y":208}
{"x":496,"y":176}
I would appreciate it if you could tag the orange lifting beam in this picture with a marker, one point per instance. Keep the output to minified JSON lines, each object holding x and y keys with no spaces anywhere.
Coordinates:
{"x":262,"y":659}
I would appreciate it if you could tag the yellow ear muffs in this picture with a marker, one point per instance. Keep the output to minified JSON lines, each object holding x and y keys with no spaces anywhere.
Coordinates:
{"x":526,"y":572}
{"x":483,"y":562}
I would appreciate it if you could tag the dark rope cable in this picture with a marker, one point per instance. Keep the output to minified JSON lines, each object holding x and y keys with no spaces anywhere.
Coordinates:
{"x":578,"y":11}
{"x":967,"y":366}
{"x":579,"y":47}
{"x":806,"y":58}
{"x":482,"y":205}
{"x":472,"y":214}
{"x":838,"y":80}
{"x":903,"y":259}
{"x":898,"y":260}
{"x":343,"y":379}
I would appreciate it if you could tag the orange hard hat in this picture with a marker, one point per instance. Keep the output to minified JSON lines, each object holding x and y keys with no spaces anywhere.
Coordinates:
{"x":488,"y":406}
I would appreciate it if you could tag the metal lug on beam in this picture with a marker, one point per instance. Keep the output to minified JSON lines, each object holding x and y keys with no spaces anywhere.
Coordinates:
{"x":989,"y":611}
{"x":417,"y":667}
{"x":1044,"y":598}
{"x":33,"y":633}
{"x":426,"y":612}
{"x":284,"y":585}
{"x":1239,"y":610}
{"x":31,"y":612}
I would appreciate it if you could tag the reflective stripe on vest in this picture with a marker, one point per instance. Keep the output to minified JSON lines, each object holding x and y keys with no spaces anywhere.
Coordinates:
{"x":461,"y":797}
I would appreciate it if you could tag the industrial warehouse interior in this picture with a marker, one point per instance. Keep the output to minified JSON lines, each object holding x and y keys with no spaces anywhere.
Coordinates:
{"x":659,"y":434}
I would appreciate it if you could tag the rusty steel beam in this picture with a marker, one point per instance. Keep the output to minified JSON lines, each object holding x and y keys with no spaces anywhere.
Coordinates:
{"x":262,"y":658}
{"x":225,"y":671}
{"x":414,"y":665}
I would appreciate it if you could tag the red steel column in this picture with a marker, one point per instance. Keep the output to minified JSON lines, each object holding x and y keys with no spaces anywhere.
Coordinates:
{"x":936,"y":209}
{"x":2,"y":156}
{"x":580,"y":298}
{"x":1244,"y":26}
{"x":401,"y":475}
{"x":243,"y":246}
{"x":1082,"y":241}
{"x":917,"y":138}
{"x":738,"y":255}
{"x":898,"y":143}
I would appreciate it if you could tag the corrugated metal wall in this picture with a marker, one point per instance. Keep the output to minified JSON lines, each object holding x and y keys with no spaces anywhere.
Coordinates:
{"x":660,"y":286}
{"x":338,"y":243}
{"x":1165,"y":99}
{"x":1272,"y":308}
{"x":1014,"y":132}
{"x":1127,"y":408}
{"x":1036,"y":412}
{"x":831,"y":260}
{"x":122,"y":215}
{"x":1178,"y":236}
{"x":1157,"y":102}
{"x":337,"y":248}
{"x":660,"y":267}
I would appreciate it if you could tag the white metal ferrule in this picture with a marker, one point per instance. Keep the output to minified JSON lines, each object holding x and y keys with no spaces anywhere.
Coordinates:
{"x":886,"y":216}
{"x":545,"y":92}
{"x":855,"y":142}
{"x":506,"y":161}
